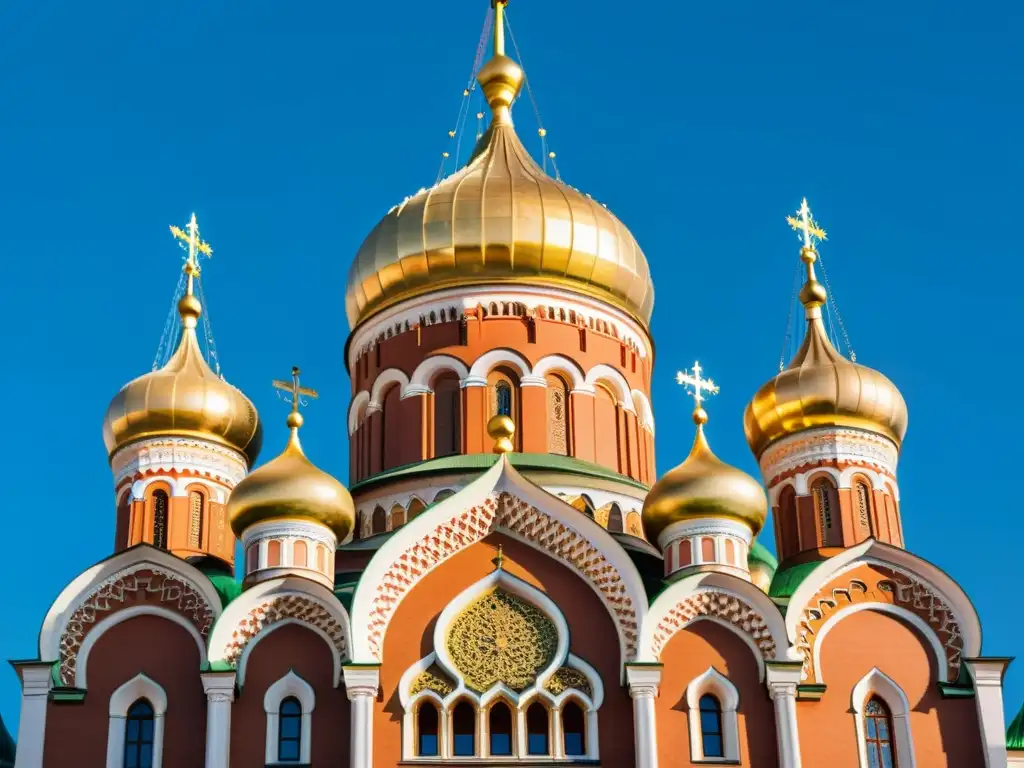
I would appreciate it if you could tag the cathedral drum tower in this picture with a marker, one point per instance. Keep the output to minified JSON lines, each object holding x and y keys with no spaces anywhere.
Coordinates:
{"x":500,"y":291}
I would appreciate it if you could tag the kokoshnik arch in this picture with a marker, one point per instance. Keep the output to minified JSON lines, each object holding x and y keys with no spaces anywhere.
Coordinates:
{"x":507,"y":579}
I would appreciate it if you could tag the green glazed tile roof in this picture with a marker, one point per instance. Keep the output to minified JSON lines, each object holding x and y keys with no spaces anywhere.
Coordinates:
{"x":7,"y":747}
{"x":481,"y":462}
{"x":1015,"y":733}
{"x":759,"y":554}
{"x":786,"y":581}
{"x":225,"y":584}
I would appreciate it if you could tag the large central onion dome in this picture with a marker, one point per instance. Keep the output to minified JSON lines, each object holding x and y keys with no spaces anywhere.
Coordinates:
{"x":185,"y":398}
{"x":501,"y":219}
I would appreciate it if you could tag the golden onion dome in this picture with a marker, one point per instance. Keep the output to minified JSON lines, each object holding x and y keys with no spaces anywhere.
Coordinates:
{"x":703,"y":486}
{"x":499,"y":220}
{"x":291,"y":487}
{"x":821,"y":387}
{"x":184,"y":398}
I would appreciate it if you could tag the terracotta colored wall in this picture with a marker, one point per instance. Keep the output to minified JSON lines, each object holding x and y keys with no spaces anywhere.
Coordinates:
{"x":592,"y":632}
{"x":945,"y":731}
{"x":76,"y":734}
{"x":689,"y":654}
{"x":292,"y":647}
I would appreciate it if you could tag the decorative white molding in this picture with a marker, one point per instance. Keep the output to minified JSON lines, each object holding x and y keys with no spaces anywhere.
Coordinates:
{"x":877,"y":683}
{"x":614,"y":378}
{"x":385,"y":379}
{"x":488,"y":361}
{"x":782,"y":680}
{"x":422,"y":378}
{"x":643,"y":683}
{"x":357,"y":411}
{"x":291,"y":685}
{"x":361,"y":686}
{"x":219,"y":688}
{"x":121,"y":700}
{"x":813,"y":447}
{"x":713,"y":683}
{"x":172,"y":455}
{"x":36,"y":682}
{"x":988,"y":696}
{"x":644,"y":411}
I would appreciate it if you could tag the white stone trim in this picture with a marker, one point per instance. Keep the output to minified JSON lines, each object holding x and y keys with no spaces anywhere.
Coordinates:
{"x":813,"y":447}
{"x":877,"y":683}
{"x":124,"y":615}
{"x":988,"y":696}
{"x":289,"y":685}
{"x":121,"y":700}
{"x":712,"y":682}
{"x":488,"y":361}
{"x":361,"y":686}
{"x":560,"y":364}
{"x":36,"y":682}
{"x":644,"y":411}
{"x":782,"y":680}
{"x":384,"y":379}
{"x":643,"y":683}
{"x":211,"y":461}
{"x":219,"y":688}
{"x":360,"y":401}
{"x":608,"y":375}
{"x":422,"y":378}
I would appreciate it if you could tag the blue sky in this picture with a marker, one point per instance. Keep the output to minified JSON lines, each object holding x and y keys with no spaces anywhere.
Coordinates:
{"x":291,"y":128}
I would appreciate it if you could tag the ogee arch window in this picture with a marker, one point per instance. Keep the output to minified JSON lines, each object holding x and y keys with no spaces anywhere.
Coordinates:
{"x":289,"y":733}
{"x":711,"y":726}
{"x":138,"y":735}
{"x":878,"y":734}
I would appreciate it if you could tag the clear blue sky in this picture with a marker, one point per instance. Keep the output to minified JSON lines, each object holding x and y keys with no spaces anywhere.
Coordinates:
{"x":290,"y":128}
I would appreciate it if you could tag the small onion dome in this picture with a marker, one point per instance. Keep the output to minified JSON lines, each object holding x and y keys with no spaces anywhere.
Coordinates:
{"x":290,"y":487}
{"x":822,"y":388}
{"x":702,"y":487}
{"x":185,"y":398}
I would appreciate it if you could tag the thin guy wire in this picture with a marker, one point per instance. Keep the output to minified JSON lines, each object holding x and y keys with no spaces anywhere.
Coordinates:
{"x":789,"y":319}
{"x":835,"y":308}
{"x":211,"y":347}
{"x":168,"y":336}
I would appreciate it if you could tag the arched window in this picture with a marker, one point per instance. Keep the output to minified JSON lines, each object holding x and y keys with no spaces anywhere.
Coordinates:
{"x":606,"y":428}
{"x":300,"y":554}
{"x":321,"y":558}
{"x":730,"y":552}
{"x":790,"y":543}
{"x":380,"y":520}
{"x":711,"y":726}
{"x":252,"y":555}
{"x":415,"y":507}
{"x":574,"y":730}
{"x":558,"y":416}
{"x":862,"y":498}
{"x":685,"y":553}
{"x":500,"y":725}
{"x":503,"y":399}
{"x":707,"y":550}
{"x":122,"y":530}
{"x":447,"y":415}
{"x":397,"y":516}
{"x":160,"y":504}
{"x":273,"y":553}
{"x":825,"y":508}
{"x":615,"y":519}
{"x":537,"y":729}
{"x":195,"y":519}
{"x":289,"y":731}
{"x":138,"y":734}
{"x":392,"y":434}
{"x":427,"y":720}
{"x":878,"y":734}
{"x":463,"y":730}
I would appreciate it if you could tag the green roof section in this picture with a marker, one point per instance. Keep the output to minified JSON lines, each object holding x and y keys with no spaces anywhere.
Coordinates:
{"x":759,"y":554}
{"x":7,"y":747}
{"x":787,"y":580}
{"x":1015,"y":733}
{"x":481,"y":462}
{"x":223,"y":581}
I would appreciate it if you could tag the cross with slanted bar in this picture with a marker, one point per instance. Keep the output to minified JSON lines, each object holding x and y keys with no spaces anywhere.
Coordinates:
{"x":804,"y":223}
{"x":697,"y":385}
{"x":297,"y":392}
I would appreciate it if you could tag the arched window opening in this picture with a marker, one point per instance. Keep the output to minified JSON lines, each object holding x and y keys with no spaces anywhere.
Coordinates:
{"x":427,"y":721}
{"x":730,"y":552}
{"x":615,"y":519}
{"x":273,"y":553}
{"x":503,"y":399}
{"x":588,"y":506}
{"x":707,"y":550}
{"x":160,"y":505}
{"x":463,"y":730}
{"x":711,"y":726}
{"x":863,"y":500}
{"x":300,"y":554}
{"x":825,"y":507}
{"x":321,"y":558}
{"x":138,"y":735}
{"x":606,"y":428}
{"x":195,"y":519}
{"x":392,"y":434}
{"x":878,"y":734}
{"x":122,"y":530}
{"x":574,"y":730}
{"x":252,"y":555}
{"x":500,"y":725}
{"x":447,"y":415}
{"x":685,"y":553}
{"x":397,"y":516}
{"x":289,"y":731}
{"x":537,"y":729}
{"x":415,"y":507}
{"x":558,"y":416}
{"x":380,"y":520}
{"x":790,"y":534}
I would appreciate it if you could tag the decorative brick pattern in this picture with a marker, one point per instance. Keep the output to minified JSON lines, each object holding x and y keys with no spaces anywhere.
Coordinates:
{"x":513,"y":514}
{"x":301,"y":608}
{"x":145,"y":585}
{"x":884,"y":585}
{"x":719,"y":605}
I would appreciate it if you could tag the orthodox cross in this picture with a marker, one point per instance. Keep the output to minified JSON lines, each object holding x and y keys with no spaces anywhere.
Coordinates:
{"x":804,"y":223}
{"x":190,"y":237}
{"x":297,"y":392}
{"x":698,"y":386}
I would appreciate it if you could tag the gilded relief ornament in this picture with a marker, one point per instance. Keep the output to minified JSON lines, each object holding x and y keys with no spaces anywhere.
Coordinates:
{"x":566,"y":678}
{"x":501,"y":638}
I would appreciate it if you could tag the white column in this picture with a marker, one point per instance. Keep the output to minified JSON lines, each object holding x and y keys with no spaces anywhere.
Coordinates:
{"x":361,"y":685}
{"x":36,"y":682}
{"x":988,"y":695}
{"x":220,"y":692}
{"x":557,"y":739}
{"x":643,"y":682}
{"x":782,"y":680}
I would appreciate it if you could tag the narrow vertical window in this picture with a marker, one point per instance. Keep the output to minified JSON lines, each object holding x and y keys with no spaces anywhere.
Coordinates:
{"x":289,"y":731}
{"x":252,"y":557}
{"x":711,"y":726}
{"x":685,"y":553}
{"x":321,"y":558}
{"x":427,"y":721}
{"x":503,"y":399}
{"x":160,"y":504}
{"x":707,"y":550}
{"x":300,"y":554}
{"x":558,"y":416}
{"x":138,"y":736}
{"x":878,"y":734}
{"x":195,"y":519}
{"x":824,"y":506}
{"x":574,"y":730}
{"x":447,"y":415}
{"x":730,"y":552}
{"x":463,"y":730}
{"x":537,"y":729}
{"x":500,"y":724}
{"x":273,"y":553}
{"x":864,"y":509}
{"x":615,"y":519}
{"x":380,"y":519}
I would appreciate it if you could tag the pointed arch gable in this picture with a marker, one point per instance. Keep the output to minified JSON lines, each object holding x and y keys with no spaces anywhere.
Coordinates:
{"x":269,"y":605}
{"x":501,"y":499}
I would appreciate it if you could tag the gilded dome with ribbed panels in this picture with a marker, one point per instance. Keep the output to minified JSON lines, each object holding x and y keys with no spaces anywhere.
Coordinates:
{"x":499,"y":220}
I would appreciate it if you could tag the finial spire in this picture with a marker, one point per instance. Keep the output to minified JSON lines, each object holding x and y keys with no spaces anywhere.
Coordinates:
{"x":189,"y":306}
{"x":500,"y":78}
{"x":697,"y":386}
{"x":297,"y":392}
{"x":500,"y":429}
{"x":813,"y":294}
{"x":499,"y":559}
{"x":499,"y":26}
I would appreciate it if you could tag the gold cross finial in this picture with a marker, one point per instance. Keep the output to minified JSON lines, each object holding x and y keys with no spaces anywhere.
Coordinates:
{"x":499,"y":559}
{"x":297,"y":392}
{"x":804,"y":223}
{"x":697,"y":385}
{"x":190,"y":239}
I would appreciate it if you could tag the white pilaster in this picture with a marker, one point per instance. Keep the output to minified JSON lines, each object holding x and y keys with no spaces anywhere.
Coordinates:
{"x":36,"y":681}
{"x":782,"y":680}
{"x":361,"y":686}
{"x":643,"y":688}
{"x":220,"y":692}
{"x":988,"y":695}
